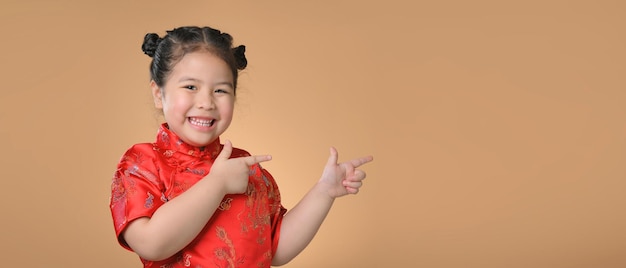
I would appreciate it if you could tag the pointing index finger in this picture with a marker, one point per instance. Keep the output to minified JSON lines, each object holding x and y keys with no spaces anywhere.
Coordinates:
{"x":255,"y":159}
{"x":361,"y":161}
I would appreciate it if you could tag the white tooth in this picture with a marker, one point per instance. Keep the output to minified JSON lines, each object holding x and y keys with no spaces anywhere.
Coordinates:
{"x":200,"y":122}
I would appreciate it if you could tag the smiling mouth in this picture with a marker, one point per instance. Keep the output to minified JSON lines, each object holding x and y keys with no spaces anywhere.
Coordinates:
{"x":201,"y":122}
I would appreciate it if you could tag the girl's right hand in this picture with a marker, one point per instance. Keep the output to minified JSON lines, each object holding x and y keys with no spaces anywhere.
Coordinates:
{"x":234,"y":172}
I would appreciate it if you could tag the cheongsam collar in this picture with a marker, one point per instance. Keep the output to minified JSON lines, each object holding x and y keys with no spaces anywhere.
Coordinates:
{"x":169,"y":141}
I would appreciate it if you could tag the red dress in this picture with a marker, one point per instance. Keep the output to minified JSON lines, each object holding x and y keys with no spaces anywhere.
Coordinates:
{"x":243,"y":231}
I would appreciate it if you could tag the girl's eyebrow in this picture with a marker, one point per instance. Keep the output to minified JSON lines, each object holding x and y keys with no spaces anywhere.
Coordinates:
{"x":191,"y":79}
{"x":224,"y":83}
{"x":186,"y":78}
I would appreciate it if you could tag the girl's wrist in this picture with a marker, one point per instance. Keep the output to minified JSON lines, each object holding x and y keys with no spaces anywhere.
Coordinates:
{"x":215,"y":183}
{"x":324,"y":190}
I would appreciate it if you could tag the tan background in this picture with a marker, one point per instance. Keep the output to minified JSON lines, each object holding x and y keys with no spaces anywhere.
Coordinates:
{"x":498,"y":130}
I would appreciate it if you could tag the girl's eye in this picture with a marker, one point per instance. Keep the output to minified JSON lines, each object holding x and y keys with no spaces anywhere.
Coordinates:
{"x":220,"y":91}
{"x":190,"y":87}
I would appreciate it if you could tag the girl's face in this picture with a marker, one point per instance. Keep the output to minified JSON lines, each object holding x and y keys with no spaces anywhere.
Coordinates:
{"x":198,"y":98}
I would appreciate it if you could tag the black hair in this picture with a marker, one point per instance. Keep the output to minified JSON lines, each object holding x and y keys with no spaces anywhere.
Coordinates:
{"x":168,"y":50}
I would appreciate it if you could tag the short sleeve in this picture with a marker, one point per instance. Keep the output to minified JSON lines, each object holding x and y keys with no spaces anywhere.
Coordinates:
{"x":136,"y":190}
{"x":277,"y":210}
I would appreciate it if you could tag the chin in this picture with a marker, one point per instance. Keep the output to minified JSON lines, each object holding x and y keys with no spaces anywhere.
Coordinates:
{"x":199,"y":144}
{"x":206,"y":142}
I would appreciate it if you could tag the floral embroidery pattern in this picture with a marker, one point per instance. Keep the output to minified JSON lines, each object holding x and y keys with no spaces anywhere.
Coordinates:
{"x":225,"y":204}
{"x":149,"y":201}
{"x":228,"y":253}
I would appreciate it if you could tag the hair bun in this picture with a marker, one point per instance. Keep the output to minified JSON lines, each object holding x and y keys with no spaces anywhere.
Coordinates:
{"x":150,"y":43}
{"x":240,"y":57}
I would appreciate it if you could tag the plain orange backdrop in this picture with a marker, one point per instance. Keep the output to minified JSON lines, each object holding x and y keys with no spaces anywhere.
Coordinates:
{"x":498,"y":127}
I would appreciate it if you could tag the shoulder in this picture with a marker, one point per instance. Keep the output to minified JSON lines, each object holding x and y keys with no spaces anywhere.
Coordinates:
{"x":139,"y":153}
{"x":140,"y":160}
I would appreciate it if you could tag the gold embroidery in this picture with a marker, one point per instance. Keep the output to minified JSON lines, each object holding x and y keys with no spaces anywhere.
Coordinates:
{"x":225,"y":204}
{"x":222,"y":253}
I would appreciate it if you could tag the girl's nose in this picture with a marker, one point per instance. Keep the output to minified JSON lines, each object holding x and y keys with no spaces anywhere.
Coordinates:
{"x":205,"y":102}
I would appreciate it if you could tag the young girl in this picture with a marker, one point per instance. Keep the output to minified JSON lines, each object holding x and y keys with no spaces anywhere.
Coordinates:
{"x":187,"y":200}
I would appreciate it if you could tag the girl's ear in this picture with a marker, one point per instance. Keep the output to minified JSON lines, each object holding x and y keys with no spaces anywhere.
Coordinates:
{"x":157,"y":95}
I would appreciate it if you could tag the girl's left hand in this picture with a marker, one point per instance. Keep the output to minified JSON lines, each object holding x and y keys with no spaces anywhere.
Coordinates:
{"x":344,"y":178}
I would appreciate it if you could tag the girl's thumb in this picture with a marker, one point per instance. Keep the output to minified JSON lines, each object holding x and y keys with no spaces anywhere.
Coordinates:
{"x":227,"y":150}
{"x":333,"y":157}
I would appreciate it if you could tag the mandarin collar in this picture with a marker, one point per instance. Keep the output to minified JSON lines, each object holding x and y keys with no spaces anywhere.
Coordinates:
{"x":169,"y":141}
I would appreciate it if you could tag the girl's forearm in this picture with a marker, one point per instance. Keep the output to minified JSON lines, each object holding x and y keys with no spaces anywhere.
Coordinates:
{"x":301,"y":223}
{"x":176,"y":223}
